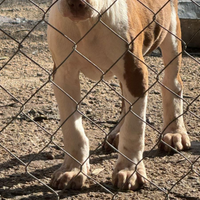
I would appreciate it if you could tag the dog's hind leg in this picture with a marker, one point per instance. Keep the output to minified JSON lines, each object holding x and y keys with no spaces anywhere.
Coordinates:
{"x":113,"y":137}
{"x":174,"y":131}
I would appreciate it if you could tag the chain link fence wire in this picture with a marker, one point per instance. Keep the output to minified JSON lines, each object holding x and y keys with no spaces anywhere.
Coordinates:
{"x":31,"y":146}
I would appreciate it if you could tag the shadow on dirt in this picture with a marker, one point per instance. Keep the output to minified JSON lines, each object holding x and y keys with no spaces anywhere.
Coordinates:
{"x":194,"y":150}
{"x":42,"y":192}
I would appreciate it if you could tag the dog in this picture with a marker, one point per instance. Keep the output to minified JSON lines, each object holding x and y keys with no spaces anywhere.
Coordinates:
{"x":103,"y":38}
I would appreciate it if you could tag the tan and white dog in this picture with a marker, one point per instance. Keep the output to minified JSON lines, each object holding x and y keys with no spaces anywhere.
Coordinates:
{"x":80,"y":41}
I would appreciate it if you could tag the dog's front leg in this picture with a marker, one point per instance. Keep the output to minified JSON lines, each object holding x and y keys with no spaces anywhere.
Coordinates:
{"x":129,"y":172}
{"x":76,"y":144}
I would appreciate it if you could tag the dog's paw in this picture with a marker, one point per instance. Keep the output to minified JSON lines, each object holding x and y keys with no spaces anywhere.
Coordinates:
{"x":129,"y":178}
{"x":179,"y":141}
{"x":73,"y":179}
{"x":112,"y":139}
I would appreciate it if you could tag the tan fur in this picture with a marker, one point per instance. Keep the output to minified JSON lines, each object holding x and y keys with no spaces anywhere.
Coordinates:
{"x":86,"y":45}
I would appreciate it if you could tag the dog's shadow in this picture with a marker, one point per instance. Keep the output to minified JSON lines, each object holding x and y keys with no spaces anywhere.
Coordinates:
{"x":194,"y":150}
{"x":9,"y":181}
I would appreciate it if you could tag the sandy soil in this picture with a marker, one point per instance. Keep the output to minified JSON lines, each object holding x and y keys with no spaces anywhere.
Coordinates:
{"x":29,"y":153}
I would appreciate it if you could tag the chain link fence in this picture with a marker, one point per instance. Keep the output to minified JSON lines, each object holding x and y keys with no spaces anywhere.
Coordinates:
{"x":31,"y":146}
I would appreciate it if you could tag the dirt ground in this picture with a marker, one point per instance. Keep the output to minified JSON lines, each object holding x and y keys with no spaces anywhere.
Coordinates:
{"x":29,"y":151}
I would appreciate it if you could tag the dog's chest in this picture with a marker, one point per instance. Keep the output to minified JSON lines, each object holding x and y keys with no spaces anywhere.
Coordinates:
{"x":92,"y":51}
{"x":100,"y":48}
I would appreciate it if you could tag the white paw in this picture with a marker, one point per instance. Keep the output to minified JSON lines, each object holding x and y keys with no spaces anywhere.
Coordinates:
{"x":113,"y":139}
{"x":73,"y":179}
{"x":179,"y":141}
{"x":127,"y":178}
